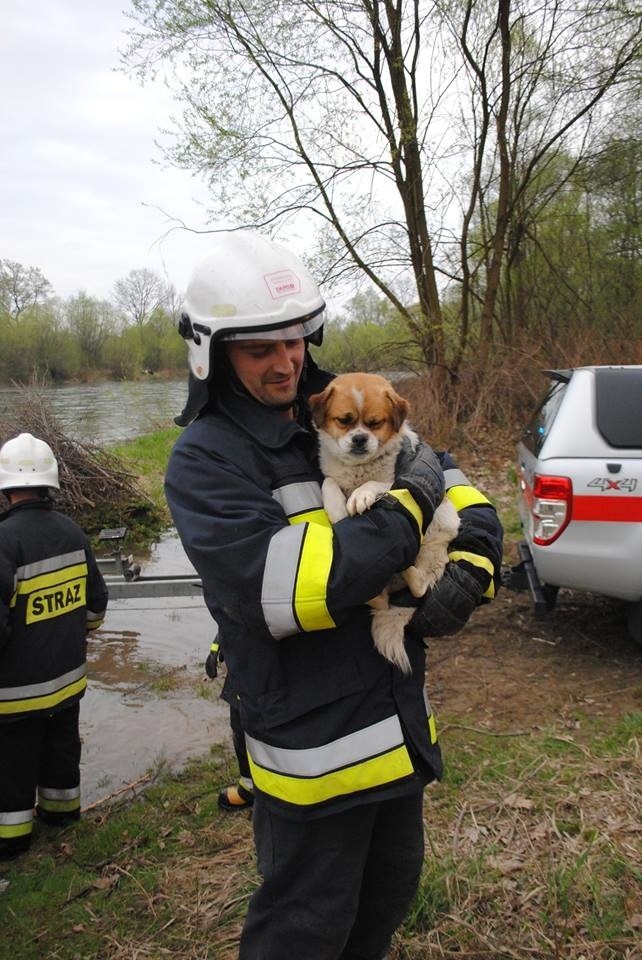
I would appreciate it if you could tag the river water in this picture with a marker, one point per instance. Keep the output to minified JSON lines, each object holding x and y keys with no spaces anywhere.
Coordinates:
{"x":108,"y":412}
{"x":148,"y":701}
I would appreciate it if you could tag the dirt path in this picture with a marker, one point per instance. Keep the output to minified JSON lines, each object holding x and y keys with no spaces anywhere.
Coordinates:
{"x":509,"y":671}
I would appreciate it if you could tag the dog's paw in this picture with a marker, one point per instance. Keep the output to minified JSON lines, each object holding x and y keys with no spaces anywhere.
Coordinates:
{"x":417,"y":581}
{"x":364,"y":496}
{"x":334,"y":501}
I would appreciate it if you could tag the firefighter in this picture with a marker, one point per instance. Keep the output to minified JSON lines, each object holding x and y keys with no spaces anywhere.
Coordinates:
{"x":340,"y":743}
{"x":51,"y":594}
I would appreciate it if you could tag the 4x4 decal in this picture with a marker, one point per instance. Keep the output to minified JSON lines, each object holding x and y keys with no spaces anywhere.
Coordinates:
{"x":627,"y":485}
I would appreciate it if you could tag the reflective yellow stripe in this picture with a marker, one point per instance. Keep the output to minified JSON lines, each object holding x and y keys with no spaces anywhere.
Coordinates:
{"x":374,"y":772}
{"x":311,"y":585}
{"x":477,"y":560}
{"x":54,"y":579}
{"x":59,"y":806}
{"x":19,"y":830}
{"x":319,"y":517}
{"x":44,"y":702}
{"x":432,"y":728}
{"x":408,"y":501}
{"x":55,"y":602}
{"x":17,"y":823}
{"x":462,"y":497}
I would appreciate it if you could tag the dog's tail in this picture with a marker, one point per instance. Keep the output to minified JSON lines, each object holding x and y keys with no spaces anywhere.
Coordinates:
{"x":388,"y":635}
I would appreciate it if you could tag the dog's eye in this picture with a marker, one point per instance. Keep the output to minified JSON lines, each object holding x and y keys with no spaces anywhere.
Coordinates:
{"x":374,"y":424}
{"x":345,"y":420}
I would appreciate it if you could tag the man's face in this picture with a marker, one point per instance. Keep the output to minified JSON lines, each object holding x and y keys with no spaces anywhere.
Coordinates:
{"x":268,"y":369}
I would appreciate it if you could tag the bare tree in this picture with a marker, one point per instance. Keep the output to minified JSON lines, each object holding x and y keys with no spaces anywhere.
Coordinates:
{"x":139,"y":294}
{"x":302,"y":110}
{"x":22,"y":287}
{"x":543,"y":81}
{"x":374,"y":118}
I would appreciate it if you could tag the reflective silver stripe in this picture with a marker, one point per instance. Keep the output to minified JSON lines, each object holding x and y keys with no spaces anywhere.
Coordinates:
{"x":316,"y":761}
{"x":49,"y":793}
{"x":16,"y":817}
{"x":41,"y":689}
{"x":297,"y":498}
{"x":279,"y":580}
{"x":52,"y":563}
{"x":456,"y":478}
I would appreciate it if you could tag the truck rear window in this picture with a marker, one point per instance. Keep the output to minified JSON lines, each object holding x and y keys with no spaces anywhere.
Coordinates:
{"x":542,"y":420}
{"x":618,"y":397}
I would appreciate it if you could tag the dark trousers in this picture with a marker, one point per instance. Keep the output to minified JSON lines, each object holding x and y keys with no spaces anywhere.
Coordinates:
{"x":38,"y":756}
{"x":334,"y":888}
{"x":238,"y":741}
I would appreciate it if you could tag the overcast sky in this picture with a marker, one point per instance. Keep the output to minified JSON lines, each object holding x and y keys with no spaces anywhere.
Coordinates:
{"x":76,"y":161}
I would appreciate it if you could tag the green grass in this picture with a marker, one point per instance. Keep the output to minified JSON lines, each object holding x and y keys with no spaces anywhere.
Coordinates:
{"x":146,"y":457}
{"x":533,"y":850}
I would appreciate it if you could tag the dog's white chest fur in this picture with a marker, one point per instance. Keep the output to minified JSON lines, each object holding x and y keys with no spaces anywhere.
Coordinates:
{"x":349,"y":476}
{"x":361,"y":422}
{"x":351,"y":488}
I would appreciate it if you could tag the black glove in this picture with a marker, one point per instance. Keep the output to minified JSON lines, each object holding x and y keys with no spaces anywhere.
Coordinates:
{"x":420,"y":473}
{"x":447,"y":607}
{"x":213,"y":657}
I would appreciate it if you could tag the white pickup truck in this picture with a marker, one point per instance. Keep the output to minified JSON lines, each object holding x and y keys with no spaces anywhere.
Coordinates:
{"x":580,"y":489}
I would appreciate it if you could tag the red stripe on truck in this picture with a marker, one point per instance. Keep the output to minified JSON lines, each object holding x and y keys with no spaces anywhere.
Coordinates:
{"x":607,"y":509}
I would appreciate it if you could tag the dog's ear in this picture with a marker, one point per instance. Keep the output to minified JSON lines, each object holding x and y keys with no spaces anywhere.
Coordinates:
{"x":317,"y":403}
{"x":399,"y":407}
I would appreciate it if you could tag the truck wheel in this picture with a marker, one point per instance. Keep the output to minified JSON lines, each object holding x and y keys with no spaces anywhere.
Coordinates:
{"x":634,"y":621}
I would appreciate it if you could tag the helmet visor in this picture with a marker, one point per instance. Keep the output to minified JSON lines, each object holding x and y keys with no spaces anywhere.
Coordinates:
{"x":286,"y":330}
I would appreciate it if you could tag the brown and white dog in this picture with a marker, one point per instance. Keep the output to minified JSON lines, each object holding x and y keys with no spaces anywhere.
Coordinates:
{"x":361,"y":423}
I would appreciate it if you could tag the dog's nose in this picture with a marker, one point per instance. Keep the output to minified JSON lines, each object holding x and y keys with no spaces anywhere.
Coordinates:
{"x":359,"y":441}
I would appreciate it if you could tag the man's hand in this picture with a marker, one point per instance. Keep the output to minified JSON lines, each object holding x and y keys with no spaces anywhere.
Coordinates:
{"x":447,"y":607}
{"x":213,"y":657}
{"x":421,"y":475}
{"x":211,"y":665}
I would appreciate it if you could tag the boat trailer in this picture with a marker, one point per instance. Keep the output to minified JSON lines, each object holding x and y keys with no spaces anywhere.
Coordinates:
{"x":124,"y":578}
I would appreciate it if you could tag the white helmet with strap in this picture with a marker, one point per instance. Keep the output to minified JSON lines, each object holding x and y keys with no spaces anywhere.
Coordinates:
{"x":247,"y":287}
{"x":27,"y":461}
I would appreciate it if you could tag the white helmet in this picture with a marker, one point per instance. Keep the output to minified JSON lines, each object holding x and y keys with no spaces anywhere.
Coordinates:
{"x":247,"y":287}
{"x":27,"y":461}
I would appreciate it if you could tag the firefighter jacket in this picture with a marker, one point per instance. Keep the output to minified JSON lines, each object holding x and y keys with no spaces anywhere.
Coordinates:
{"x":329,"y":722}
{"x":478,"y":546}
{"x":51,"y":593}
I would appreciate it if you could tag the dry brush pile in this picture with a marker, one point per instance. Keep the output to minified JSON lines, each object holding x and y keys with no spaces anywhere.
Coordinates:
{"x":95,"y":488}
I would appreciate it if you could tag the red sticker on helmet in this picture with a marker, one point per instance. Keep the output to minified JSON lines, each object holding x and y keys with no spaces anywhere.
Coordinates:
{"x":283,"y":283}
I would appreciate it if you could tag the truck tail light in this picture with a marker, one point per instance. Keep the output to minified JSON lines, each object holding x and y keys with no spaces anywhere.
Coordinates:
{"x":552,"y":502}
